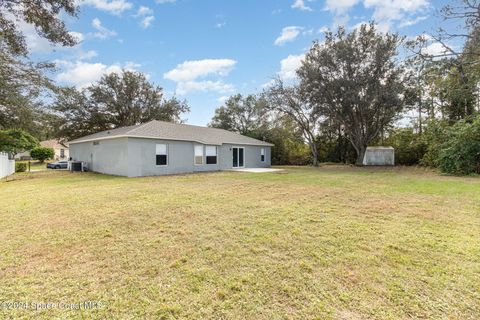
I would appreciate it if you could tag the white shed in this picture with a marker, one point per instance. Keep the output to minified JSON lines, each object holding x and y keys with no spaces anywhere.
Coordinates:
{"x":379,"y":156}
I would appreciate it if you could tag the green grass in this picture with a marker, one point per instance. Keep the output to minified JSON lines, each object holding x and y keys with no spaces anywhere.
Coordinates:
{"x":328,"y":243}
{"x":36,"y":165}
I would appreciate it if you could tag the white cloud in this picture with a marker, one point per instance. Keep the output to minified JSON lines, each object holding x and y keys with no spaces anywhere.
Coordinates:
{"x":340,"y":6}
{"x":191,"y":70}
{"x":384,"y":12}
{"x":300,"y":4}
{"x":288,"y":34}
{"x":82,"y":74}
{"x":102,"y":32}
{"x":411,"y":22}
{"x":77,"y":36}
{"x":87,"y":55}
{"x":394,"y":9}
{"x":147,"y":22}
{"x":186,"y":75}
{"x":143,"y":11}
{"x":435,"y":49}
{"x":146,"y":16}
{"x":289,"y":66}
{"x":323,"y":29}
{"x":218,"y":86}
{"x":111,"y":6}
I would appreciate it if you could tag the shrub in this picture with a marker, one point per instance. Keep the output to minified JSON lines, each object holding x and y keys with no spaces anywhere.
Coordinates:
{"x":460,"y":153}
{"x":409,"y":147}
{"x":20,"y":167}
{"x":435,"y":135}
{"x":41,"y":153}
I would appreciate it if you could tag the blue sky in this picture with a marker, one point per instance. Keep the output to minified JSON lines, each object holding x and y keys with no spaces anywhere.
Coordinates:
{"x":205,"y":51}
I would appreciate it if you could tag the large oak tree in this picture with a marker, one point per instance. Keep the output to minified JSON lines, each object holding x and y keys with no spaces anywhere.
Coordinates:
{"x":354,"y":80}
{"x":117,"y":100}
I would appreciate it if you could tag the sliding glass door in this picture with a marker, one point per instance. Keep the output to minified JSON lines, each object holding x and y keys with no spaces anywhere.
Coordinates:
{"x":238,"y":157}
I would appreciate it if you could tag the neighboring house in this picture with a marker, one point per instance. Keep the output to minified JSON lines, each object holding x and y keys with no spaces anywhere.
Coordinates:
{"x":60,"y":149}
{"x":158,"y":148}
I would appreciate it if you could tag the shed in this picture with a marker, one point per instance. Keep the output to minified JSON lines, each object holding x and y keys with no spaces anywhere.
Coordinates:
{"x":379,"y":156}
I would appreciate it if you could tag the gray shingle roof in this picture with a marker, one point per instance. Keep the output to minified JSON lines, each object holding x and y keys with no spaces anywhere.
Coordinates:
{"x":173,"y":131}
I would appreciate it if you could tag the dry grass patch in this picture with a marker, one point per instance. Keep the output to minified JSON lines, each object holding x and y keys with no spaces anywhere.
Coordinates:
{"x":334,"y":242}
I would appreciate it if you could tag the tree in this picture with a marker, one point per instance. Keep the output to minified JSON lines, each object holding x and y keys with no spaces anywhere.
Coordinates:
{"x":354,"y":80}
{"x":22,"y":87}
{"x":291,"y":101}
{"x":43,"y":15}
{"x":115,"y":101}
{"x":41,"y":153}
{"x":241,"y":114}
{"x":15,"y":141}
{"x":23,"y":83}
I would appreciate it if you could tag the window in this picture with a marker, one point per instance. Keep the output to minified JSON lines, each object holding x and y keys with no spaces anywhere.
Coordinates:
{"x":62,"y":153}
{"x":211,"y":153}
{"x":198,"y":155}
{"x":162,"y":154}
{"x":262,"y":154}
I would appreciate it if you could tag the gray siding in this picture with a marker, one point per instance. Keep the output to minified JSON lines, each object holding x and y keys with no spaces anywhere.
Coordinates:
{"x":136,"y":157}
{"x":252,"y":156}
{"x":109,"y":156}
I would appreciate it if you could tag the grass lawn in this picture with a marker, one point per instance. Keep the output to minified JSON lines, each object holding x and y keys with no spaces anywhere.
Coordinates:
{"x":36,"y":165}
{"x":328,"y":243}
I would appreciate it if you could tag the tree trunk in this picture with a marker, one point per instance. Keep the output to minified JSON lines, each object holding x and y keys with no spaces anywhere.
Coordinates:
{"x":360,"y":155}
{"x":313,"y":148}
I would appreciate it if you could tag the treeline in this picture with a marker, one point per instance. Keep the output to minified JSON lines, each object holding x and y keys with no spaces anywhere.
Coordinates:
{"x":355,"y":90}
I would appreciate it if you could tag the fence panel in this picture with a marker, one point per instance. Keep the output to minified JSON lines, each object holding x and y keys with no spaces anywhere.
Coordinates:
{"x":7,"y":166}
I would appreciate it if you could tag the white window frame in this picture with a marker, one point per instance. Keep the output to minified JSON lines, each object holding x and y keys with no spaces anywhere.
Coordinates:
{"x":263,"y":156}
{"x":195,"y":148}
{"x":216,"y":156}
{"x":161,"y":154}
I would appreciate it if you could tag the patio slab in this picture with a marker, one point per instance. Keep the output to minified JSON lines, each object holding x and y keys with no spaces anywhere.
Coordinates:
{"x":257,"y":170}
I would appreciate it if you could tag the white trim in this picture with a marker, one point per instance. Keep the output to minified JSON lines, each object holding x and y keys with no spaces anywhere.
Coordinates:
{"x":171,"y":139}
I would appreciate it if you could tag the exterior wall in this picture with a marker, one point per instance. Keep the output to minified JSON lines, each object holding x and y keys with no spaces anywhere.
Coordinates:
{"x":252,"y":156}
{"x":58,"y":154}
{"x":136,"y":157}
{"x":109,"y":156}
{"x":142,"y":157}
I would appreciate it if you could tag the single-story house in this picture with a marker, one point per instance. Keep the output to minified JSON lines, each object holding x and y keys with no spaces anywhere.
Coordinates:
{"x":60,"y":149}
{"x":158,"y":148}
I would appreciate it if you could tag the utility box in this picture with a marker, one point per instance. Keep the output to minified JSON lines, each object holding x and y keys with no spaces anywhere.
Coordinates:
{"x":379,"y":156}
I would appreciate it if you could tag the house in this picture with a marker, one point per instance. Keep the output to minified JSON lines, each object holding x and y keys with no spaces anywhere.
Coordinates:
{"x":60,"y":149}
{"x":158,"y":148}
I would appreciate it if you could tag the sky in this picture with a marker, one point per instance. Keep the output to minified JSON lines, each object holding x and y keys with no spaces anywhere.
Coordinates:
{"x":207,"y":50}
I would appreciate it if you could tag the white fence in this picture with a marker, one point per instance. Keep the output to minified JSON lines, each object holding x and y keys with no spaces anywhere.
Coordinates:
{"x":7,"y":167}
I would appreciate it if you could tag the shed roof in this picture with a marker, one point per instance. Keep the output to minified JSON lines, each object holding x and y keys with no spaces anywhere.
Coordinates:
{"x":174,"y":131}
